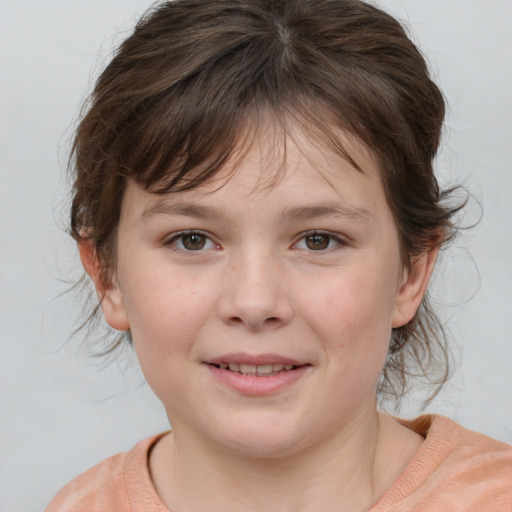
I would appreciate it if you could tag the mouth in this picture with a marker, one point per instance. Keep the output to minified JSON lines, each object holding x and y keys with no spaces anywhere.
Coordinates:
{"x":253,"y":370}
{"x":257,"y":375}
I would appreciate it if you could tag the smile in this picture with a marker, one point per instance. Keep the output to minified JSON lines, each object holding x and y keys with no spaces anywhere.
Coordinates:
{"x":257,"y":375}
{"x":264,"y":370}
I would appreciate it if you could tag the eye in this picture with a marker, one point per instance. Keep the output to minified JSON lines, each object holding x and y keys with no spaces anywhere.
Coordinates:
{"x":318,"y":241}
{"x":191,"y":241}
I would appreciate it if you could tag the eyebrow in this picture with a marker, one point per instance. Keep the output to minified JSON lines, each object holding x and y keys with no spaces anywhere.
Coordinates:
{"x":301,"y":213}
{"x":165,"y":207}
{"x":310,"y":212}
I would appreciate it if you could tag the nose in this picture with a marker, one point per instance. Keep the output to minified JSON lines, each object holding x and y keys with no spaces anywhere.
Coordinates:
{"x":254,"y":293}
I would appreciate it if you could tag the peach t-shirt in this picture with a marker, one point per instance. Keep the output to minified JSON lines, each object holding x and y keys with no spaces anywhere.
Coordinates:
{"x":455,"y":470}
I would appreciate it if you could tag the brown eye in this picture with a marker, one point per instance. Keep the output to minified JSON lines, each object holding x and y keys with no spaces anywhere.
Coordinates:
{"x":317,"y":242}
{"x":193,"y":241}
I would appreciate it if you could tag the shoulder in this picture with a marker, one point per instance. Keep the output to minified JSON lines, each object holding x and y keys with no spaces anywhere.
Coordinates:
{"x":462,"y":453}
{"x":455,"y":470}
{"x":118,"y":483}
{"x":102,"y":485}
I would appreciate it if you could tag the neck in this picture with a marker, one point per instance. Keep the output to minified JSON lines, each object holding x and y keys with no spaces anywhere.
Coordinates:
{"x":344,"y":471}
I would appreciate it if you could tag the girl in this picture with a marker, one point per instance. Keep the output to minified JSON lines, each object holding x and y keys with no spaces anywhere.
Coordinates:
{"x":255,"y":203}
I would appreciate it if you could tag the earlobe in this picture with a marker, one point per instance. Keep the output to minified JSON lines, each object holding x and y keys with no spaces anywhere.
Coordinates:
{"x":412,"y":289}
{"x":111,"y":298}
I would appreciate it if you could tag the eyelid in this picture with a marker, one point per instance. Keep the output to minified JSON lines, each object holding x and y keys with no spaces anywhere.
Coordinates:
{"x":170,"y":240}
{"x":339,"y":239}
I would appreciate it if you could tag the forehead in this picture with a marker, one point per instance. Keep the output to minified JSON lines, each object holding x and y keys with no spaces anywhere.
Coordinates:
{"x":293,"y":170}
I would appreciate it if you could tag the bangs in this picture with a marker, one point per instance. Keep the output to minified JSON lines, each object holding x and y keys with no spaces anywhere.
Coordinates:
{"x":163,"y":165}
{"x":172,"y":142}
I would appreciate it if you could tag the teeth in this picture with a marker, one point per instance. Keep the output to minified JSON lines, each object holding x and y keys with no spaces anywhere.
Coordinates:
{"x":265,"y":369}
{"x":256,"y":370}
{"x":247,"y":368}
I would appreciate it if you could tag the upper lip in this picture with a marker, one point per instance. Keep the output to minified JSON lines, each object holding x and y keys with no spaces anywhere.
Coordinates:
{"x":255,"y":359}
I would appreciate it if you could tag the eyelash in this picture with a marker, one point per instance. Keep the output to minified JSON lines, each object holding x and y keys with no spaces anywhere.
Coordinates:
{"x":179,"y":238}
{"x":331,"y":238}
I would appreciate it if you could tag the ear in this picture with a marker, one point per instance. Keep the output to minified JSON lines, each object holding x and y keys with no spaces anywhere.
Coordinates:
{"x":111,"y":298}
{"x":413,"y":287}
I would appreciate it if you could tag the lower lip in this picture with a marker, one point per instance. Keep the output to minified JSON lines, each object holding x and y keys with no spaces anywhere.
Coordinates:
{"x":258,"y":386}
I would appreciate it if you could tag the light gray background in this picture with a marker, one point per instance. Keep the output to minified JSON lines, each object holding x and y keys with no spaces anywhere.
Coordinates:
{"x":60,"y":411}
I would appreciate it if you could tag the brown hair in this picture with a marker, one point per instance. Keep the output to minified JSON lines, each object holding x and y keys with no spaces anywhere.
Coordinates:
{"x":168,"y":111}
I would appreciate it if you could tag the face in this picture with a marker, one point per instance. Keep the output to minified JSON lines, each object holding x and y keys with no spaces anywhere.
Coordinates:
{"x":261,"y":316}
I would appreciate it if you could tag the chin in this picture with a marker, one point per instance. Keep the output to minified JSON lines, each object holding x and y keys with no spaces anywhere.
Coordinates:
{"x":268,"y":438}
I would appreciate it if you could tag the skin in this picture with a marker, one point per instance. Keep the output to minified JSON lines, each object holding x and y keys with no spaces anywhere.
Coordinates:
{"x":258,"y":285}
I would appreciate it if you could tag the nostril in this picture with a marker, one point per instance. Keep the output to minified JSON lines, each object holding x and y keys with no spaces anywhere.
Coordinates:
{"x":269,"y":322}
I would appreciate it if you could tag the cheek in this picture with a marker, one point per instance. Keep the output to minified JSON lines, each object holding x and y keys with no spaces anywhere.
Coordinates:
{"x":352,"y":316}
{"x":166,"y":315}
{"x":164,"y":308}
{"x":354,"y":302}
